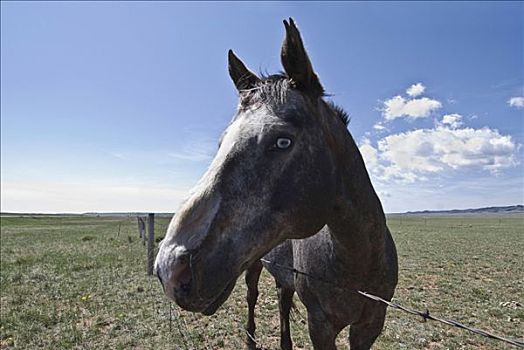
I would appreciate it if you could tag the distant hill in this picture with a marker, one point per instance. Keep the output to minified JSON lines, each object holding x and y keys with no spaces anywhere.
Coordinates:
{"x":511,"y":209}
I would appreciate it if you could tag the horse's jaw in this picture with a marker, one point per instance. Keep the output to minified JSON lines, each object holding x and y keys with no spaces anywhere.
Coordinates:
{"x":222,"y":297}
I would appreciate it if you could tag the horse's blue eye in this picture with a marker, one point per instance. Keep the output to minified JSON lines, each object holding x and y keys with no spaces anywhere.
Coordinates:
{"x":283,"y":143}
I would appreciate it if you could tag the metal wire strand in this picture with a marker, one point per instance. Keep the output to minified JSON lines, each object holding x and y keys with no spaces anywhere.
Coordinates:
{"x":425,"y":315}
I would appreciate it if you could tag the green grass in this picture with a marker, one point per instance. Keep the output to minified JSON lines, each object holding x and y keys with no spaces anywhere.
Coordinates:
{"x":75,"y":283}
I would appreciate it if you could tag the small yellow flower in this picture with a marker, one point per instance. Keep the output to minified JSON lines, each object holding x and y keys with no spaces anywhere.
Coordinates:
{"x":86,"y":297}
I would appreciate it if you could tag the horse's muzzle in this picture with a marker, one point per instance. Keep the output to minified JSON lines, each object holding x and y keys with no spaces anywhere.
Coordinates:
{"x":177,"y":278}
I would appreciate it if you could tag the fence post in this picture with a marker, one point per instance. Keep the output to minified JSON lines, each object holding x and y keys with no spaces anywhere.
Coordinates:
{"x":144,"y":237}
{"x":139,"y":227}
{"x":150,"y":243}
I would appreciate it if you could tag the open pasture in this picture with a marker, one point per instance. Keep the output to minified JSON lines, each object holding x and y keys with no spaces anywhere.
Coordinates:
{"x":81,"y":283}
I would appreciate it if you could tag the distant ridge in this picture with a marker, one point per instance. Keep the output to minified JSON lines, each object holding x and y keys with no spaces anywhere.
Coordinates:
{"x":511,"y":209}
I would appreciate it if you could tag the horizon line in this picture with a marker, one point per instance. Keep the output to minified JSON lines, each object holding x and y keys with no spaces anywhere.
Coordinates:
{"x":134,"y":212}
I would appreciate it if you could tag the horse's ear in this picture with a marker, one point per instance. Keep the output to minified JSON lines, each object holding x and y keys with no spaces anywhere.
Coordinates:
{"x":241,"y":76}
{"x":296,"y":62}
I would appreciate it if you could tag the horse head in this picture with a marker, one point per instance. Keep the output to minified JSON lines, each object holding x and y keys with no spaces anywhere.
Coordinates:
{"x":274,"y":177}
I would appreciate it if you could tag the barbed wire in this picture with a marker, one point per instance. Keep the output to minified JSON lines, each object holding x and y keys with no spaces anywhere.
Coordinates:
{"x":258,"y":344}
{"x":425,"y":315}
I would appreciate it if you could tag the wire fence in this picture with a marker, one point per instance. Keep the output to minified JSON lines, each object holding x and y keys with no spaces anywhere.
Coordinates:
{"x":182,"y":326}
{"x":425,"y":315}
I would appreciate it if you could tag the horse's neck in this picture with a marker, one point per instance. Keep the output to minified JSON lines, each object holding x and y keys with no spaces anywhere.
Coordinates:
{"x":358,"y":225}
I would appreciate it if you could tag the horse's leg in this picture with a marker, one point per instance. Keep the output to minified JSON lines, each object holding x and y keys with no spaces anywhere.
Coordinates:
{"x":285,"y":302}
{"x":363,"y":334}
{"x":252,"y":276}
{"x":322,"y":332}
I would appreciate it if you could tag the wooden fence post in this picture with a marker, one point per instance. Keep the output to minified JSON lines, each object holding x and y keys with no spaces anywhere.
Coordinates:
{"x":144,"y":236}
{"x":142,"y":229}
{"x":139,"y":227}
{"x":150,"y":243}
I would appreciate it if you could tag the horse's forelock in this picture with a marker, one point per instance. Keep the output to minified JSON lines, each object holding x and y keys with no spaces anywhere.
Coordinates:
{"x":274,"y":90}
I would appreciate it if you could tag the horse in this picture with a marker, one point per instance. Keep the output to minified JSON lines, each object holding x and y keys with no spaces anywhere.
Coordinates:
{"x":284,"y":281}
{"x":286,"y":168}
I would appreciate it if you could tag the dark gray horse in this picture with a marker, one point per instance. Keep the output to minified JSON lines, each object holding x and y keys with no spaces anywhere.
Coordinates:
{"x":286,"y":168}
{"x":284,"y":280}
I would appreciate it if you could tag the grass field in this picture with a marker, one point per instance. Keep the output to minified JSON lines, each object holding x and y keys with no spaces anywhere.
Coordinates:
{"x":80,"y":283}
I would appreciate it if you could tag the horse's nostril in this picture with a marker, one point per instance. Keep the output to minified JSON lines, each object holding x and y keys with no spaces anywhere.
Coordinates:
{"x":182,"y":276}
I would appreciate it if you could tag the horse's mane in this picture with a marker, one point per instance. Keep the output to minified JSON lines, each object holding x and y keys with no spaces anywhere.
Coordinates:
{"x":274,"y":87}
{"x":341,"y":113}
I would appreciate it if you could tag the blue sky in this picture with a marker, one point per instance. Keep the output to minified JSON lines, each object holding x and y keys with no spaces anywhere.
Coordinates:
{"x":118,"y":106}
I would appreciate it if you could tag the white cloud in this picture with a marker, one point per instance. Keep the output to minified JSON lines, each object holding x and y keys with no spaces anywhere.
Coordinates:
{"x":517,"y":102}
{"x":415,"y":90}
{"x":412,"y":107}
{"x":369,"y":153}
{"x":398,"y":107}
{"x":453,"y":120}
{"x":417,"y":154}
{"x":379,"y":126}
{"x":435,"y":150}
